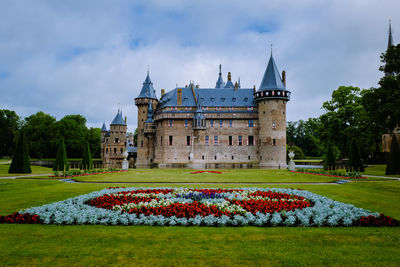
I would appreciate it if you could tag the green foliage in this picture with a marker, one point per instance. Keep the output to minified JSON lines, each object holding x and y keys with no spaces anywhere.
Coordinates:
{"x":355,"y":161}
{"x":73,"y":129}
{"x":393,"y":165}
{"x":61,"y":162}
{"x":9,"y":126}
{"x":93,"y":137}
{"x":298,"y":153}
{"x":20,"y":162}
{"x":330,"y":158}
{"x":391,"y":60}
{"x":135,"y":138}
{"x":304,"y":135}
{"x":87,"y":162}
{"x":351,"y":175}
{"x":39,"y":129}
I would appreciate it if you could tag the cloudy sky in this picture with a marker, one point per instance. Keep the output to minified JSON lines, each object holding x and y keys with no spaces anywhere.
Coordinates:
{"x":91,"y":57}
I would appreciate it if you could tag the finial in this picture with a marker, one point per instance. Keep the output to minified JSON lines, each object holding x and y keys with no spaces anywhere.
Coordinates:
{"x":148,"y":69}
{"x":220,"y":69}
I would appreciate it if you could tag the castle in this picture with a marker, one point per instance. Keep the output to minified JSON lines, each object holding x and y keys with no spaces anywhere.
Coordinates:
{"x":222,"y":125}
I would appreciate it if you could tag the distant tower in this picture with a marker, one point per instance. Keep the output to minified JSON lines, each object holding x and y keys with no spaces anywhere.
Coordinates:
{"x":145,"y":144}
{"x":390,"y":43}
{"x":271,"y":98}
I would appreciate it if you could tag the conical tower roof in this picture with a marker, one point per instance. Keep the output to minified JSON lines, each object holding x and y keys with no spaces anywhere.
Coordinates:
{"x":220,"y":82}
{"x":118,"y":120}
{"x":147,"y":89}
{"x":104,"y":128}
{"x":272,"y":79}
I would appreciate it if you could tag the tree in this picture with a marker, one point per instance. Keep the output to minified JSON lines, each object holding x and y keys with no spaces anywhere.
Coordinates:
{"x":9,"y":126}
{"x":61,"y":162}
{"x":93,"y":136}
{"x":393,"y":165}
{"x":355,"y":161}
{"x":135,"y":138}
{"x":39,"y":129}
{"x":330,"y":158}
{"x":20,"y":162}
{"x":87,"y":162}
{"x":304,"y":135}
{"x":298,"y":153}
{"x":74,"y":131}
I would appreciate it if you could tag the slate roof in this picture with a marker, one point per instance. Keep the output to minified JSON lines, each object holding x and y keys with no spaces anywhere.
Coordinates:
{"x":220,"y":82}
{"x":150,"y":113}
{"x":147,"y":89}
{"x":104,"y":128}
{"x":271,"y":79}
{"x":210,"y":97}
{"x":118,"y":120}
{"x":131,"y":149}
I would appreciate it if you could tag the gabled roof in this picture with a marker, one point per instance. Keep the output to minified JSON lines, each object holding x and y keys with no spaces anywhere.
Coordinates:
{"x":272,"y":79}
{"x":118,"y":120}
{"x":104,"y":128}
{"x":147,"y":89}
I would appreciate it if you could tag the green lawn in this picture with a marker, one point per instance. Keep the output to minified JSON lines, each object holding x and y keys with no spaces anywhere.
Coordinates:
{"x":378,"y":170}
{"x":143,"y":245}
{"x":228,"y":176}
{"x":36,"y":170}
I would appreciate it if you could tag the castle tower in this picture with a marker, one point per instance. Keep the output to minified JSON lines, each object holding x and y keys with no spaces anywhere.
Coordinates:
{"x":145,"y":144}
{"x":117,"y":138}
{"x":271,"y":98}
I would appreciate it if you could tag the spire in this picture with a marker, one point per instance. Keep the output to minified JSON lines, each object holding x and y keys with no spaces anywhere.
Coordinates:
{"x":229,"y":83}
{"x":220,"y":82}
{"x":118,"y":120}
{"x":147,"y":88}
{"x":271,"y":79}
{"x":390,"y":39}
{"x":150,"y":113}
{"x":104,"y":128}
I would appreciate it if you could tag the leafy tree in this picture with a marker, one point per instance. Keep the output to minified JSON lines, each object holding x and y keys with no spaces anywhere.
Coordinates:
{"x":74,"y":131}
{"x":391,"y":60}
{"x":20,"y":162}
{"x":298,"y":153}
{"x":9,"y":126}
{"x":39,"y":129}
{"x":135,"y":138}
{"x":355,"y":161}
{"x":61,"y":157}
{"x":393,"y":165}
{"x":93,"y":136}
{"x":330,"y":158}
{"x":87,"y":162}
{"x":304,"y":135}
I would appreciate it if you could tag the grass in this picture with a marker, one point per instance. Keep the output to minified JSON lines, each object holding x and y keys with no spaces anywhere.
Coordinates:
{"x":378,"y":170}
{"x":36,"y":170}
{"x":141,"y":245}
{"x":184,"y":175}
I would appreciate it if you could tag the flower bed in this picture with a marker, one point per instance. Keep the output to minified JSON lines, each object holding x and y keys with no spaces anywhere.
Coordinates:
{"x":201,"y":207}
{"x":217,"y":172}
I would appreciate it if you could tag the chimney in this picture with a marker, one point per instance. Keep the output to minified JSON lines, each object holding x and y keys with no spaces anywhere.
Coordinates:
{"x":284,"y":78}
{"x":179,"y":95}
{"x":229,"y":76}
{"x":162,"y":92}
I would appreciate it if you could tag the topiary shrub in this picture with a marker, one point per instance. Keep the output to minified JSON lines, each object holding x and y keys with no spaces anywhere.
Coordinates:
{"x":20,"y":162}
{"x":298,"y":153}
{"x":355,"y":161}
{"x":393,"y":164}
{"x":61,"y":162}
{"x":87,"y":162}
{"x":330,"y":158}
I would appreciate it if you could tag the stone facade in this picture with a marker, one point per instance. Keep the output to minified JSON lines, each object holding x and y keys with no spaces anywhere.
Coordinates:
{"x":221,"y":125}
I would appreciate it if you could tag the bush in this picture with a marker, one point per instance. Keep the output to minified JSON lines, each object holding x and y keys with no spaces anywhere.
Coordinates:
{"x":393,"y":164}
{"x":87,"y":162}
{"x":355,"y":161}
{"x":20,"y":162}
{"x":330,"y":158}
{"x":61,"y":158}
{"x":298,"y":153}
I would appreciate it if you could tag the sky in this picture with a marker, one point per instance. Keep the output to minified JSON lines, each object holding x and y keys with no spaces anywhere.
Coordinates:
{"x":91,"y":57}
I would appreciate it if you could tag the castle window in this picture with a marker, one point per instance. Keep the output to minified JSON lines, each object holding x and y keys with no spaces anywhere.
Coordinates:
{"x":171,"y":140}
{"x":206,"y":140}
{"x":223,"y":99}
{"x":234,"y":99}
{"x":202,"y":157}
{"x":122,"y":150}
{"x":115,"y":151}
{"x":116,"y":140}
{"x":220,"y":123}
{"x":240,"y":140}
{"x":160,"y":140}
{"x":215,"y":157}
{"x":232,"y":157}
{"x":170,"y":123}
{"x":106,"y":150}
{"x":188,"y":140}
{"x":230,"y":140}
{"x":246,"y":99}
{"x":274,"y":142}
{"x":273,"y":125}
{"x":251,"y":140}
{"x":230,"y":123}
{"x":141,"y":143}
{"x":249,"y":157}
{"x":186,"y":123}
{"x":211,"y":123}
{"x":144,"y":111}
{"x":216,"y":140}
{"x":251,"y":123}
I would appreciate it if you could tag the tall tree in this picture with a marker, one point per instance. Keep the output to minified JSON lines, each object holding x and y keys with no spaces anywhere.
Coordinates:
{"x":20,"y":162}
{"x":61,"y":162}
{"x":93,"y":137}
{"x":39,"y":129}
{"x":9,"y":126}
{"x":393,"y":165}
{"x":355,"y":161}
{"x":73,"y":129}
{"x":87,"y":162}
{"x":330,"y":158}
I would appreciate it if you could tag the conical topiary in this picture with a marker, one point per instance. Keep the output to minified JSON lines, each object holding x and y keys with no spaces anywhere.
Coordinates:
{"x":330,"y":159}
{"x":61,"y":162}
{"x":87,"y":162}
{"x":393,"y":165}
{"x":20,"y":162}
{"x":355,"y":161}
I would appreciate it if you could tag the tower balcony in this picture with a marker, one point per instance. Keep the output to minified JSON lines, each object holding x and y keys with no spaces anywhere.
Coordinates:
{"x":272,"y":94}
{"x":149,"y":128}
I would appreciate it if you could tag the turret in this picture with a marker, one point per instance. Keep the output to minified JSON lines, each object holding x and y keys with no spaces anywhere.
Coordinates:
{"x":271,"y":98}
{"x":146,"y":97}
{"x":220,"y":82}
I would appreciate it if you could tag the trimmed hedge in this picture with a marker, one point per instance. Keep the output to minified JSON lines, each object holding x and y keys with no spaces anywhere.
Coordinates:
{"x":20,"y":162}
